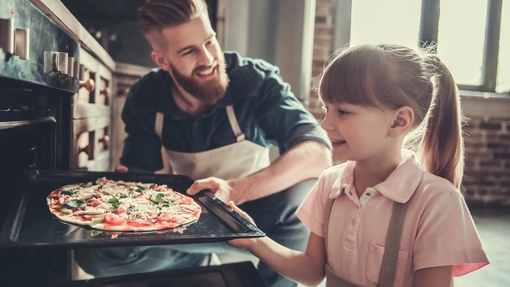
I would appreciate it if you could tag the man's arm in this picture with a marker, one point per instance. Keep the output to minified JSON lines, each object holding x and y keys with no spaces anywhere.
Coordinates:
{"x":301,"y":162}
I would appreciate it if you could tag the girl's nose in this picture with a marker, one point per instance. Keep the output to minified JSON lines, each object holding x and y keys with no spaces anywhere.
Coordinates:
{"x":325,"y":124}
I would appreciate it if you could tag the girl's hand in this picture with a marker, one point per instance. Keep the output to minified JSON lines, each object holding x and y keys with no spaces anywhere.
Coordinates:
{"x":242,"y":243}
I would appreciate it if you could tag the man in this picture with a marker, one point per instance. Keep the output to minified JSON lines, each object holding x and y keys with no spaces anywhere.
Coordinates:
{"x":216,"y":114}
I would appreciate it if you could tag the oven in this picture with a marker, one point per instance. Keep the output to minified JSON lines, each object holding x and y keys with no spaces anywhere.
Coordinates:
{"x":36,"y":90}
{"x":54,"y":130}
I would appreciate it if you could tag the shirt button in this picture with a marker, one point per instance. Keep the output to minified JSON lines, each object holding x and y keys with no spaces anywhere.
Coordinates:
{"x":368,"y":194}
{"x":353,"y":223}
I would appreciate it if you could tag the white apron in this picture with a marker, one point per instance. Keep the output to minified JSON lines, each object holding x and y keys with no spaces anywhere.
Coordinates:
{"x":235,"y":160}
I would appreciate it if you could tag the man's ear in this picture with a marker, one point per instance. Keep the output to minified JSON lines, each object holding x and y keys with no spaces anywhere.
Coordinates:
{"x":403,"y":121}
{"x":161,"y":61}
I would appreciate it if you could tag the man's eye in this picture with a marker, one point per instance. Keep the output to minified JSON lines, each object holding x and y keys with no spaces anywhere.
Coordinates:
{"x":188,"y":52}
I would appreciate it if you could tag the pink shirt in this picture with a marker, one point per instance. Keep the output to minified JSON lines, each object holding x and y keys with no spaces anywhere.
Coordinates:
{"x":438,"y":230}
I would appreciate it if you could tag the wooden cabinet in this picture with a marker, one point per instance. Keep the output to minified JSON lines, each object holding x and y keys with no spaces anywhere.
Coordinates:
{"x":92,"y":117}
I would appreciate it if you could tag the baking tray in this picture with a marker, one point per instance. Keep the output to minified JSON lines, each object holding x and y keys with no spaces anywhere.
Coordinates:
{"x":29,"y":222}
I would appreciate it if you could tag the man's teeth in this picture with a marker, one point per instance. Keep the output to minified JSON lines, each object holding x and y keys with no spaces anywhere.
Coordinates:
{"x":206,"y":72}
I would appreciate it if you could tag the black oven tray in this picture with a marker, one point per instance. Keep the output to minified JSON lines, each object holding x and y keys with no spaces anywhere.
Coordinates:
{"x":29,"y":222}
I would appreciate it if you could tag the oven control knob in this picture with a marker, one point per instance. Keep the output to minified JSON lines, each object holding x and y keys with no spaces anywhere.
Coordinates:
{"x":22,"y":43}
{"x":55,"y":62}
{"x":14,"y":41}
{"x":70,"y":67}
{"x":81,"y":72}
{"x":7,"y":35}
{"x":76,"y":69}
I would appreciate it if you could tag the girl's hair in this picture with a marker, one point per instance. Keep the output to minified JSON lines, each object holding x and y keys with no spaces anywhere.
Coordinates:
{"x":393,"y":76}
{"x":155,"y":15}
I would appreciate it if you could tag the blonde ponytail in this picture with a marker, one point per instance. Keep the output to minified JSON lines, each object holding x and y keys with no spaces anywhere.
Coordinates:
{"x":442,"y":149}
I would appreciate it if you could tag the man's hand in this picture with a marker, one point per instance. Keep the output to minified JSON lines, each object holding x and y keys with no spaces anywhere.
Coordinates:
{"x":221,"y":188}
{"x":121,"y":169}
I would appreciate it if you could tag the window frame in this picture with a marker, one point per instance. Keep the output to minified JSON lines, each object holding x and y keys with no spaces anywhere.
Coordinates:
{"x":429,"y":25}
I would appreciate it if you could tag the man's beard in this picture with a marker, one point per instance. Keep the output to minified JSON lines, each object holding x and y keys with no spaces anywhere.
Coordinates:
{"x":208,"y":92}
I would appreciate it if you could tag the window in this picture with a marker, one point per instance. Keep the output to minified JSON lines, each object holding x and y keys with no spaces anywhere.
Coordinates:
{"x":385,"y":21}
{"x":473,"y":41}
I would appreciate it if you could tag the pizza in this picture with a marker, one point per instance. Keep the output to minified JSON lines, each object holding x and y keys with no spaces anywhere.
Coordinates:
{"x":122,"y":206}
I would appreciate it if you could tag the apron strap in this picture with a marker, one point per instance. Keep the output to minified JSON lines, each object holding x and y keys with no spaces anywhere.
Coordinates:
{"x":234,"y":124}
{"x":392,"y":245}
{"x":393,"y":238}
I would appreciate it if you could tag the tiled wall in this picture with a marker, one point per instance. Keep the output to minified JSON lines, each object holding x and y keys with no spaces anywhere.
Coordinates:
{"x":487,"y":140}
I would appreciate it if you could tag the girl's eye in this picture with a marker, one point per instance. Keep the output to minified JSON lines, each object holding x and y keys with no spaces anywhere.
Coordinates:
{"x":342,"y":112}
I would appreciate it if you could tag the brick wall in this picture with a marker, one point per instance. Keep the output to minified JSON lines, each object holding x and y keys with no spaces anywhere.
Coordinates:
{"x":487,"y":171}
{"x":487,"y":141}
{"x":322,"y":47}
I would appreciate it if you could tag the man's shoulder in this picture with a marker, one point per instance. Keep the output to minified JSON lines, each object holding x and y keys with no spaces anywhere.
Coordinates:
{"x":238,"y":63}
{"x":247,"y":75}
{"x":145,"y":91}
{"x":150,"y":79}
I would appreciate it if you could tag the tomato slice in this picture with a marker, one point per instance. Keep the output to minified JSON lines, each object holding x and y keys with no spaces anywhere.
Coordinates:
{"x":186,"y":200}
{"x":94,"y":203}
{"x":113,"y":219}
{"x":166,"y":218}
{"x":120,"y":211}
{"x":54,"y":194}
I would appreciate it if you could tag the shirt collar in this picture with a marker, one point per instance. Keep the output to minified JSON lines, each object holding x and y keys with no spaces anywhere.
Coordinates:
{"x":399,"y":186}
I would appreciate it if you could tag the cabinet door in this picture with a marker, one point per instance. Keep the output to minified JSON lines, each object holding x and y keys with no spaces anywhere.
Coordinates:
{"x":92,"y":117}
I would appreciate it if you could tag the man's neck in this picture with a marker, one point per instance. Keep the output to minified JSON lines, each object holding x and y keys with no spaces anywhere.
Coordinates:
{"x":187,"y":102}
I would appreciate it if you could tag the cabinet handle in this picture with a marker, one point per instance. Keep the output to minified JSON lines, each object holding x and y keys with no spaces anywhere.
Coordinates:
{"x":89,"y":85}
{"x":104,"y":140}
{"x":86,"y":149}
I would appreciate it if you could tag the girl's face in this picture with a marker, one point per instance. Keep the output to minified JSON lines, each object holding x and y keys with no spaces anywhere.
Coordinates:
{"x":358,"y":133}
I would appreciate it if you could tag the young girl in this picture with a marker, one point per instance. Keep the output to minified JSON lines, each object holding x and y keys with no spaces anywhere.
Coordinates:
{"x":392,"y":214}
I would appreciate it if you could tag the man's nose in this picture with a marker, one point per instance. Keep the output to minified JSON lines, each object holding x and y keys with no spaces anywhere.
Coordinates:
{"x":206,"y":58}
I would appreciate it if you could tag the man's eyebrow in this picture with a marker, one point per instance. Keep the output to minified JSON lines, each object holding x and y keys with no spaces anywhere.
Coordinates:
{"x":192,"y":46}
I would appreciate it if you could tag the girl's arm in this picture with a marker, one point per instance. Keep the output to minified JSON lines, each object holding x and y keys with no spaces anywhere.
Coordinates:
{"x":307,"y":268}
{"x":434,"y":276}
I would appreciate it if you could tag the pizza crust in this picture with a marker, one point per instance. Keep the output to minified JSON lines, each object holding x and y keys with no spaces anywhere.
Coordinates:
{"x":122,"y":206}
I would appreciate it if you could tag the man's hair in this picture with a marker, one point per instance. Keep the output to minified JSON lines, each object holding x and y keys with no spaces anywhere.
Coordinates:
{"x":155,"y":15}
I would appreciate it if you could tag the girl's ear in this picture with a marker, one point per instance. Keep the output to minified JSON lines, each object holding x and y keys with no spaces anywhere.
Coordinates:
{"x":161,"y":61}
{"x":402,"y":122}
